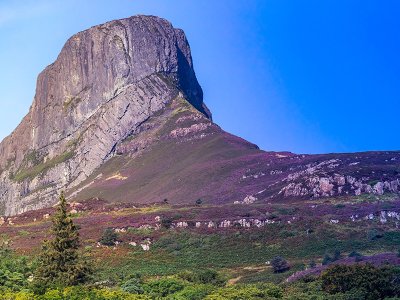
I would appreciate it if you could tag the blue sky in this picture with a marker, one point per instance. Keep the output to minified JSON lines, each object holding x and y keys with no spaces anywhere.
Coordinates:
{"x":305,"y":76}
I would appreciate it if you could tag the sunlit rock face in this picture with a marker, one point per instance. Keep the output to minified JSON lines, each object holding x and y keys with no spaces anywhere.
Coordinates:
{"x":106,"y":81}
{"x":119,"y":116}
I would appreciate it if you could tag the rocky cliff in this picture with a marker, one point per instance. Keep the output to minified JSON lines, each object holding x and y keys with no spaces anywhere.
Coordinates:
{"x":106,"y":81}
{"x":120,"y":116}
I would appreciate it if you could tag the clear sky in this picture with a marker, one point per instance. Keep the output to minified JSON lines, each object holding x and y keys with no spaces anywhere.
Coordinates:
{"x":305,"y":76}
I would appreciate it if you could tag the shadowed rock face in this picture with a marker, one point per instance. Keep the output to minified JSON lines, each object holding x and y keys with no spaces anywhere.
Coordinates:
{"x":106,"y":81}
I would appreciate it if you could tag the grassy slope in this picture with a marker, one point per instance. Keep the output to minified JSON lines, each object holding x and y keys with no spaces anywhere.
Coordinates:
{"x":181,"y":171}
{"x":214,"y":165}
{"x":237,"y":252}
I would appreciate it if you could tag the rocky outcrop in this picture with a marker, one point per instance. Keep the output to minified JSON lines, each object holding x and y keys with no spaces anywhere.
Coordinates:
{"x":329,"y":179}
{"x":106,"y":81}
{"x":120,"y":116}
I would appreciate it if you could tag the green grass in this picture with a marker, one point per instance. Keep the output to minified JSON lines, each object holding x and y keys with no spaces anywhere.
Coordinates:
{"x":32,"y":172}
{"x":269,"y":276}
{"x":234,"y":250}
{"x":23,"y":233}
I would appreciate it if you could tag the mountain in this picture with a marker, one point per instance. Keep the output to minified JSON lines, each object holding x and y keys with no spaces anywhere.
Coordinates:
{"x":120,"y":116}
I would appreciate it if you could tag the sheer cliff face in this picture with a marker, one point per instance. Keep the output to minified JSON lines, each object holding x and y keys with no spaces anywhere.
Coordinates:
{"x":106,"y":82}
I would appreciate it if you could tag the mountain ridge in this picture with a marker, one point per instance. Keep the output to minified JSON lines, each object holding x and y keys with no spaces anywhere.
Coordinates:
{"x":96,"y":68}
{"x":120,"y":115}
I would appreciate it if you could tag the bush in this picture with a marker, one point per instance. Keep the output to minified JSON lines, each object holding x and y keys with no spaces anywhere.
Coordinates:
{"x":163,"y":287}
{"x":326,"y":260}
{"x":329,"y":259}
{"x":279,"y":264}
{"x":374,"y":234}
{"x":193,"y":292}
{"x":14,"y":270}
{"x":209,"y":277}
{"x":371,"y":282}
{"x":74,"y":293}
{"x":187,"y":276}
{"x":358,"y":256}
{"x":336,"y":255}
{"x":133,"y":286}
{"x":166,"y":223}
{"x":248,"y":292}
{"x":312,"y":264}
{"x":109,"y":237}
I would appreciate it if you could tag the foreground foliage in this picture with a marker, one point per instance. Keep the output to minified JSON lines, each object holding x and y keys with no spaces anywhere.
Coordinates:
{"x":59,"y":263}
{"x":15,"y":271}
{"x":189,"y":263}
{"x":366,"y":281}
{"x":357,"y":282}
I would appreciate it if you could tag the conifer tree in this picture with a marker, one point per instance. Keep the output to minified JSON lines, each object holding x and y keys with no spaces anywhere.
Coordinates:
{"x":59,"y":262}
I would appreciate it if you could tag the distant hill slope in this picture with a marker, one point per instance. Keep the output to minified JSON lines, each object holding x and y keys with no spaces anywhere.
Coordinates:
{"x":181,"y":156}
{"x":120,"y":115}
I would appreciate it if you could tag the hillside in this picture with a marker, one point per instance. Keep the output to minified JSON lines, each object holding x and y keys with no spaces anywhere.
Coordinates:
{"x":120,"y":116}
{"x":167,"y":204}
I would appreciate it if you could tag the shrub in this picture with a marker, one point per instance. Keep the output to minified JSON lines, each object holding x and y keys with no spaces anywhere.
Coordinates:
{"x":357,"y":256}
{"x":74,"y":293}
{"x":199,"y":202}
{"x":163,"y":287}
{"x":374,"y":234}
{"x":312,"y":264}
{"x":187,"y":275}
{"x":327,"y":259}
{"x":279,"y":264}
{"x":248,"y":292}
{"x":166,"y":223}
{"x":374,"y":283}
{"x":193,"y":292}
{"x":109,"y":237}
{"x":132,"y":286}
{"x":14,"y":270}
{"x":17,"y":296}
{"x":209,"y":277}
{"x":80,"y":292}
{"x":336,"y":255}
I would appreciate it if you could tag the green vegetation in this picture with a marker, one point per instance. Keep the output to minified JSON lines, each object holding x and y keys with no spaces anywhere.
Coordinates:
{"x":279,"y":264}
{"x":109,"y":237}
{"x":59,"y":263}
{"x":340,"y":282}
{"x":37,"y":169}
{"x":15,"y":270}
{"x":365,"y":281}
{"x":199,"y":263}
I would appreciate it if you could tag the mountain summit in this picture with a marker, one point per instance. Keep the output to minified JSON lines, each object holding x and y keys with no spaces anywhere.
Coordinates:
{"x":106,"y":81}
{"x":120,"y":115}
